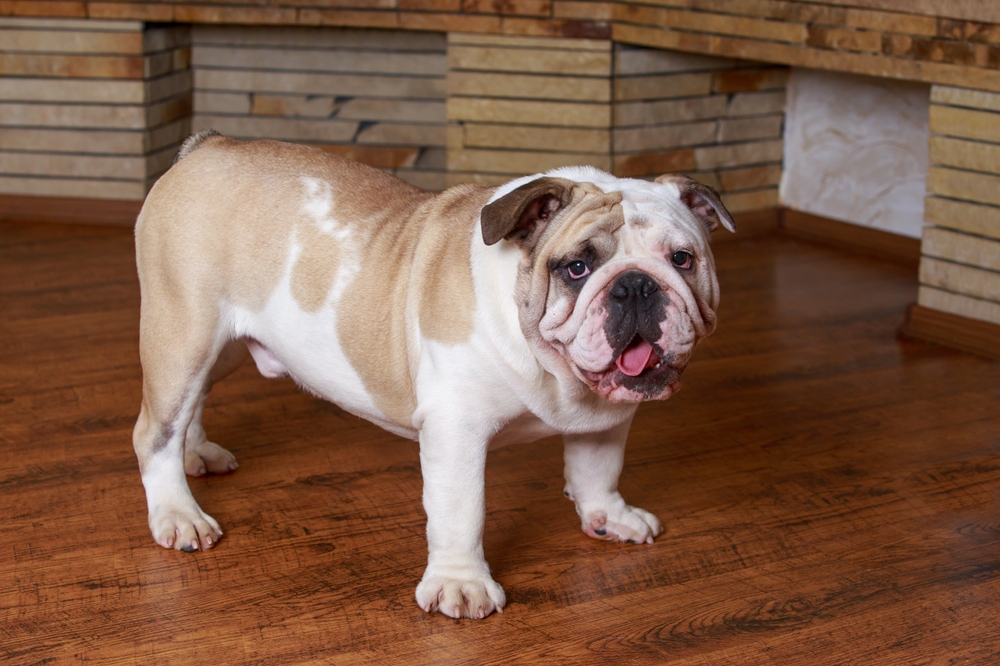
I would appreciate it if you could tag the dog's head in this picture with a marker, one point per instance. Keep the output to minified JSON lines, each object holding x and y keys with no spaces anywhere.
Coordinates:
{"x":617,"y":282}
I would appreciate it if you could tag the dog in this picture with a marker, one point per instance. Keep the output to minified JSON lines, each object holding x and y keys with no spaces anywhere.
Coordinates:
{"x":467,"y":319}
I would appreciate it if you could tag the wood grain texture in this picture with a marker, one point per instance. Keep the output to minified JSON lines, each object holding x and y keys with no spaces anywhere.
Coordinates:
{"x":944,"y":328}
{"x":831,"y":495}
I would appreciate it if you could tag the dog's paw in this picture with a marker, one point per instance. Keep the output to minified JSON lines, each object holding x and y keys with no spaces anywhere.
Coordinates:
{"x":207,"y":457}
{"x":188,"y":529}
{"x":473,"y":597}
{"x":621,"y":523}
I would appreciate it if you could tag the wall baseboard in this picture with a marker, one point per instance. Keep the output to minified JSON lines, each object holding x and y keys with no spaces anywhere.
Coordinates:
{"x":969,"y":335}
{"x":749,"y":224}
{"x":852,"y":237}
{"x":113,"y":212}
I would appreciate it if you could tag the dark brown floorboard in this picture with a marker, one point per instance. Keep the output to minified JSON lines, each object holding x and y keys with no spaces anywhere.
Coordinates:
{"x":831,"y":495}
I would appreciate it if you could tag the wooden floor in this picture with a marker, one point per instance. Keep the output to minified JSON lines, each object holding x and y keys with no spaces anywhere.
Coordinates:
{"x":831,"y":495}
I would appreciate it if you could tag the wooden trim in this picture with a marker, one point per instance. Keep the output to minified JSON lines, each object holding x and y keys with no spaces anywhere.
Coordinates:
{"x":950,"y":330}
{"x":114,"y":212}
{"x":750,"y":224}
{"x":853,"y":237}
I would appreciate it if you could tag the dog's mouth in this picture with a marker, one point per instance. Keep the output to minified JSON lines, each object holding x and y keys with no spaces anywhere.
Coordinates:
{"x":638,"y":357}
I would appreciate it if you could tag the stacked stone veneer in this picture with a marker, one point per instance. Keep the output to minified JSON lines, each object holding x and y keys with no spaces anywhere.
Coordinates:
{"x":960,"y":268}
{"x":90,"y":109}
{"x":375,"y":96}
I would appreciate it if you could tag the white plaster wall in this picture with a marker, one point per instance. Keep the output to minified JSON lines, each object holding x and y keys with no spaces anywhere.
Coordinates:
{"x":856,"y":149}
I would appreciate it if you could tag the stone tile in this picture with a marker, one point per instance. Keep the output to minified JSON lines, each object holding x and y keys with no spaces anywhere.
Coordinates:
{"x":73,"y":187}
{"x":152,"y":13}
{"x":433,"y":159}
{"x":321,"y":60}
{"x":962,"y":154}
{"x":319,"y":38}
{"x":662,"y":137}
{"x":723,"y":24}
{"x":72,"y":66}
{"x":380,"y":157}
{"x":292,"y":106}
{"x":168,"y":111}
{"x":262,"y":127}
{"x":965,"y":123}
{"x":750,"y":178}
{"x":453,"y":178}
{"x":967,"y":185}
{"x":81,"y":116}
{"x":595,"y":30}
{"x":212,"y":102}
{"x":77,"y":166}
{"x":653,"y":164}
{"x":18,"y":89}
{"x":397,"y":134}
{"x":740,"y":202}
{"x":748,"y":129}
{"x":517,"y":112}
{"x":62,"y":23}
{"x":518,"y":41}
{"x":630,"y":114}
{"x":431,"y":5}
{"x":528,"y":86}
{"x":236,"y":15}
{"x":961,"y":248}
{"x":520,"y":162}
{"x":964,"y":306}
{"x":169,"y":134}
{"x":960,"y":279}
{"x":963,"y":216}
{"x":586,"y":10}
{"x":662,"y":86}
{"x":166,"y":38}
{"x":71,"y":42}
{"x":745,"y":80}
{"x":512,"y":7}
{"x":740,"y":154}
{"x":320,"y":84}
{"x":171,"y":85}
{"x":845,"y":40}
{"x":57,"y":140}
{"x":392,"y":109}
{"x":909,"y":24}
{"x":531,"y":61}
{"x":434,"y":181}
{"x":635,"y":60}
{"x":757,"y":103}
{"x":449,"y":22}
{"x":976,"y":99}
{"x":537,"y":138}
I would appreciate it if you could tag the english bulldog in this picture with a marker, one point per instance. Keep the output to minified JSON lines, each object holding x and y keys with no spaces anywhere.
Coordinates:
{"x":466,"y":319}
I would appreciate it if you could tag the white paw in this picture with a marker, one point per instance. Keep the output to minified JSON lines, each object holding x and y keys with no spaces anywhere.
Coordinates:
{"x":620,"y":522}
{"x":473,"y":597}
{"x":204,"y":456}
{"x":188,"y":529}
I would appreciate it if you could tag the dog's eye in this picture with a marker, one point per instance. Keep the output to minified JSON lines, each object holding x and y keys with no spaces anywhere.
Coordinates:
{"x":578,"y":269}
{"x":682,"y":259}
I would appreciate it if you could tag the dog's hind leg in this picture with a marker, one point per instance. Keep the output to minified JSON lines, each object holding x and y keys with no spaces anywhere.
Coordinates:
{"x":200,"y":455}
{"x":179,"y":343}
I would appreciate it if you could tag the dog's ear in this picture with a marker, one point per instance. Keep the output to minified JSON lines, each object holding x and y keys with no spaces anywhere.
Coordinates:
{"x":703,"y":201}
{"x":523,"y":214}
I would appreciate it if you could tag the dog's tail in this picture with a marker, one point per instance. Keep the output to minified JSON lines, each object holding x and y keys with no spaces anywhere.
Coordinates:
{"x":192,"y":142}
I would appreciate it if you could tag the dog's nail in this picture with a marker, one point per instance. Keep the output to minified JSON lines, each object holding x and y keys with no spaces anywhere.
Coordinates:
{"x":630,"y":541}
{"x":600,"y":532}
{"x":188,"y":548}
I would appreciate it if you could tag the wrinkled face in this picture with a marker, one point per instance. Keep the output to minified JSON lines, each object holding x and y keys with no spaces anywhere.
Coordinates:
{"x":618,"y":281}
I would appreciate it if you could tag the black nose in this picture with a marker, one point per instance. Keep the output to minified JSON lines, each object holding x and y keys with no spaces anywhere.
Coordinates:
{"x":633,"y":285}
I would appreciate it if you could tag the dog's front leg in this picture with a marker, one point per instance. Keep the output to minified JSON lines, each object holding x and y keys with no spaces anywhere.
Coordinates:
{"x":457,"y":580}
{"x":593,"y":464}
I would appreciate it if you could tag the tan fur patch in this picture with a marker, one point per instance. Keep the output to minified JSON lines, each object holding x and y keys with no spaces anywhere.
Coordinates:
{"x":315,"y":269}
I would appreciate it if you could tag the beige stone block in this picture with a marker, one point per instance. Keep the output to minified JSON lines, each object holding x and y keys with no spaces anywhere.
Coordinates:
{"x":742,"y":26}
{"x":908,"y":24}
{"x":394,"y":134}
{"x":321,"y":60}
{"x":166,"y":38}
{"x":757,"y":103}
{"x":432,"y":159}
{"x":72,"y":66}
{"x":628,"y":114}
{"x":71,"y":187}
{"x":77,"y":166}
{"x":323,"y":38}
{"x":159,"y":64}
{"x":746,"y":80}
{"x":453,"y":178}
{"x":73,"y":141}
{"x":392,"y":109}
{"x":528,"y":86}
{"x":64,"y":41}
{"x":157,"y":163}
{"x":635,"y":60}
{"x":520,"y":162}
{"x":652,"y":164}
{"x":965,"y":123}
{"x":529,"y":61}
{"x":976,"y":99}
{"x":213,"y":102}
{"x":451,"y":22}
{"x":662,"y":137}
{"x":262,"y":127}
{"x":292,"y":106}
{"x":739,"y":202}
{"x":320,"y":84}
{"x":79,"y":116}
{"x":967,"y":185}
{"x":748,"y":129}
{"x":508,"y":7}
{"x":519,"y":42}
{"x":845,"y":40}
{"x":87,"y":25}
{"x":16,"y":89}
{"x":962,"y":154}
{"x":583,"y":10}
{"x":961,"y":248}
{"x":170,"y":134}
{"x":537,"y":138}
{"x":168,"y":111}
{"x":750,"y":178}
{"x":710,"y":178}
{"x":454,"y":136}
{"x":434,"y":181}
{"x":380,"y":157}
{"x":960,"y":279}
{"x":171,"y":85}
{"x":518,"y":112}
{"x":964,"y":306}
{"x":153,"y":13}
{"x":662,"y":87}
{"x":740,"y":154}
{"x":963,"y":216}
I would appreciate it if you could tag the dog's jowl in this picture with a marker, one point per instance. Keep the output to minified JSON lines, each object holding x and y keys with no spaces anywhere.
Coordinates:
{"x":462,"y":319}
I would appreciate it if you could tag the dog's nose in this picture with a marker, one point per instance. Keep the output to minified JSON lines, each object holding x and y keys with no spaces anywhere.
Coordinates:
{"x":633,"y":285}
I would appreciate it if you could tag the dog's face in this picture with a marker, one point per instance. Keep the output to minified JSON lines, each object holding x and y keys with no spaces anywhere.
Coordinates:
{"x":617,"y":281}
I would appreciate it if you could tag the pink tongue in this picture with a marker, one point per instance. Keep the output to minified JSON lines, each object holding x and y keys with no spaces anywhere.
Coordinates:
{"x":636,"y":358}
